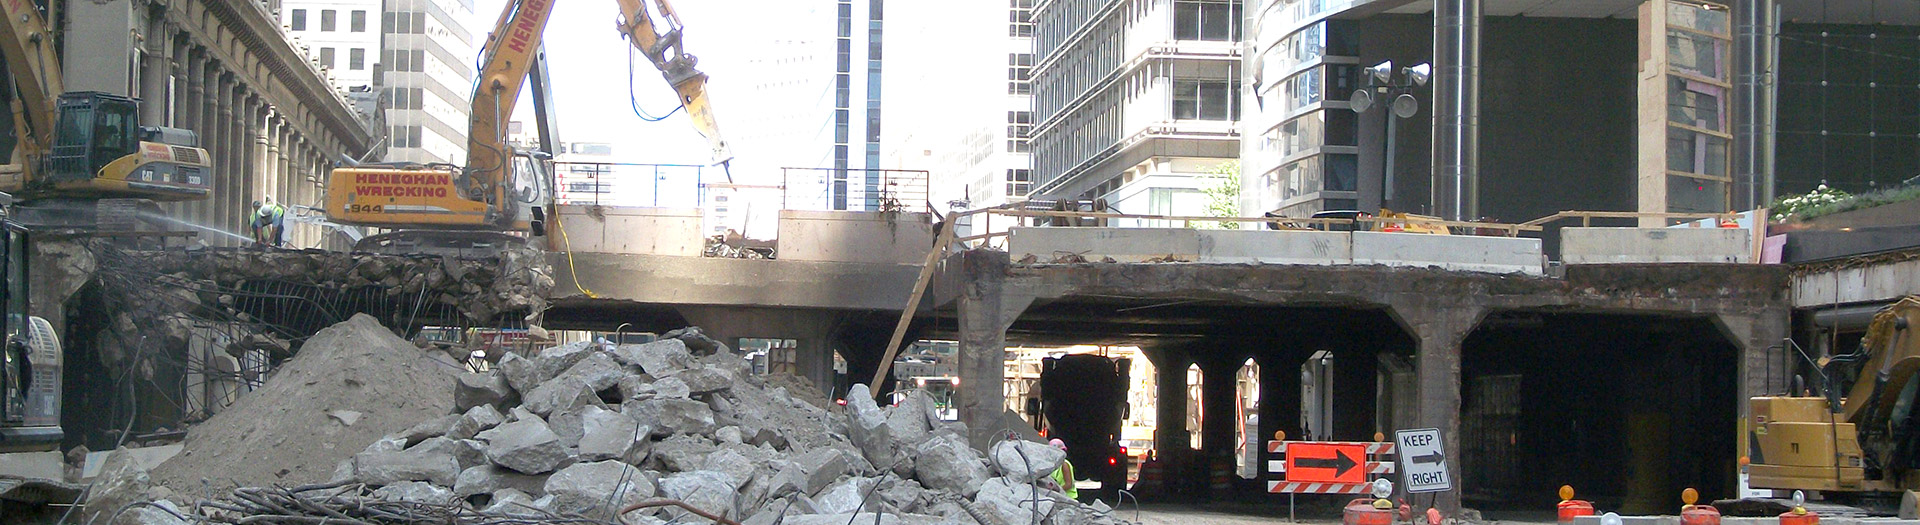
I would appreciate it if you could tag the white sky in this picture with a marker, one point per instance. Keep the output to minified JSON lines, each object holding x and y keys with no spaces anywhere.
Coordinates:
{"x":588,"y":66}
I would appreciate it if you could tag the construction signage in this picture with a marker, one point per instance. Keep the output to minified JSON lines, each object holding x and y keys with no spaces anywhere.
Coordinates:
{"x":1327,"y":467}
{"x":1423,"y":461}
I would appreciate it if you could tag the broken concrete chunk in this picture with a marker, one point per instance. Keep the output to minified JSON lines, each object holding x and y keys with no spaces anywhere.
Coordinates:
{"x":1025,"y":461}
{"x":911,"y":420}
{"x":732,"y":466}
{"x":597,"y":489}
{"x":490,"y":389}
{"x":167,"y":514}
{"x":658,"y":359}
{"x":453,"y":426}
{"x":946,"y":463}
{"x":484,"y":417}
{"x":613,"y":435}
{"x":466,"y":452}
{"x":682,"y":453}
{"x":387,"y":444}
{"x":868,"y":518}
{"x":512,"y":503}
{"x":345,"y":417}
{"x":553,"y":361}
{"x":845,"y":497}
{"x":704,"y":489}
{"x":593,"y":373}
{"x":822,"y":467}
{"x":386,"y":468}
{"x":414,"y":492}
{"x":635,"y":387}
{"x":867,"y":427}
{"x":521,"y":373}
{"x":668,"y":416}
{"x":902,"y":495}
{"x":1013,"y":501}
{"x":706,"y":380}
{"x":490,"y":478}
{"x":568,"y":424}
{"x":527,"y":446}
{"x":729,"y":434}
{"x":695,"y":340}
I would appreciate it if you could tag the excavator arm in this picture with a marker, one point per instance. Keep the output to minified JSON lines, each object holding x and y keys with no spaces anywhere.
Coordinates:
{"x":1880,"y":403}
{"x":508,"y":56}
{"x":35,"y":68}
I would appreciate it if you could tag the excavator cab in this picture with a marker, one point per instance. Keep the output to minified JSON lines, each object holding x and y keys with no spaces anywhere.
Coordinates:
{"x":99,"y":147}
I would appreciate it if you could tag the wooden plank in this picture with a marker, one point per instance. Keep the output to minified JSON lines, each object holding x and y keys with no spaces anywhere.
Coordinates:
{"x":913,"y":305}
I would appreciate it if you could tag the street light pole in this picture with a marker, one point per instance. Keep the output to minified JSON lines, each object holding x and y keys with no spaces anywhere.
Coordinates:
{"x":1397,"y":89}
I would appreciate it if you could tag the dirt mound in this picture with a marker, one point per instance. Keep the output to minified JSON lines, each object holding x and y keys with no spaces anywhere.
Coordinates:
{"x":295,"y":429}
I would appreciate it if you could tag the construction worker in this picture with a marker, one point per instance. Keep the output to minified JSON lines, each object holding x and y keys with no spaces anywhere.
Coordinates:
{"x":268,"y":222}
{"x":1063,"y":476}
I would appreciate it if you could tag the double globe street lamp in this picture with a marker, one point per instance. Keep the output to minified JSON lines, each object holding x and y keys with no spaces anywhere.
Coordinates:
{"x":1382,"y":83}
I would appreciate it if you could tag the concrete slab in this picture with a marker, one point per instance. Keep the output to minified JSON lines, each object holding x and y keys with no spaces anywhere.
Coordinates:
{"x":1275,"y":247}
{"x":632,"y":230}
{"x":34,"y":465}
{"x":1864,"y":284}
{"x":1655,"y":245}
{"x":1122,"y":244}
{"x":855,"y":237}
{"x":148,"y":457}
{"x":1450,"y":252}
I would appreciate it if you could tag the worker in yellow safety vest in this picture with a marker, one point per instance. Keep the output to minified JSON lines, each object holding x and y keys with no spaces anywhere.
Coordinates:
{"x":1063,"y":476}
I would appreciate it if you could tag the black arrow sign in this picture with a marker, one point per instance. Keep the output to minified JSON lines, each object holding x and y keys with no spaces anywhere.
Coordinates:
{"x":1434,"y":458}
{"x":1340,"y":462}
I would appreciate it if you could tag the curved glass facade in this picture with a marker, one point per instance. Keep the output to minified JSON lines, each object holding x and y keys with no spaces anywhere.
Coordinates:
{"x":1301,"y":152}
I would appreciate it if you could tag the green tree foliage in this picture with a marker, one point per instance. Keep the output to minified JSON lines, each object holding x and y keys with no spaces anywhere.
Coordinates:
{"x":1223,"y":194}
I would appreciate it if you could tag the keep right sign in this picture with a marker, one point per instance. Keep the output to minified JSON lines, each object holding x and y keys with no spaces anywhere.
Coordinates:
{"x":1423,"y":461}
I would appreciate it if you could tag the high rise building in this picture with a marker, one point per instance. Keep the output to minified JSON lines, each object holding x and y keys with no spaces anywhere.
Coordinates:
{"x":422,"y":52}
{"x":959,"y":99}
{"x":342,"y":36}
{"x":856,"y":183}
{"x":1135,"y":101}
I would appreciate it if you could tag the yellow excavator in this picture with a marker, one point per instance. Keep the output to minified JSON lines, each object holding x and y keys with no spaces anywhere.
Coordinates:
{"x":1858,"y":434}
{"x":499,"y":191}
{"x":73,"y":152}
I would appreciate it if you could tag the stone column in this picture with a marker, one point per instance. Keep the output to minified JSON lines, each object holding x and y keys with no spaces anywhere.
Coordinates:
{"x":191,"y":105}
{"x":986,"y":307}
{"x":1440,"y":328}
{"x":231,"y":185}
{"x":263,"y":182}
{"x":153,"y":74}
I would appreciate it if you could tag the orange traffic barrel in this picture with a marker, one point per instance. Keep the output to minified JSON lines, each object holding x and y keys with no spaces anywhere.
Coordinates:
{"x":1702,"y":515}
{"x":1222,"y":476}
{"x":1364,"y":511}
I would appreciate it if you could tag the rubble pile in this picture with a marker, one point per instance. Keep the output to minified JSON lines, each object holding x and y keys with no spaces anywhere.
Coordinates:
{"x":352,"y":384}
{"x":673,"y":431}
{"x":479,"y":288}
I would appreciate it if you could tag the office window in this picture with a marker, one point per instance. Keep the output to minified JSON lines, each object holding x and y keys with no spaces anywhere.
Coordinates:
{"x":419,"y":23}
{"x":356,"y":59}
{"x":327,"y":19}
{"x":326,"y":57}
{"x":1203,"y":100}
{"x":299,"y":20}
{"x":359,"y":22}
{"x":1198,"y":20}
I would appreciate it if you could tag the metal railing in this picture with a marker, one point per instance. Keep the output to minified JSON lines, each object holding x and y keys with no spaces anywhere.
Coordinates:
{"x":854,"y":189}
{"x":630,"y":184}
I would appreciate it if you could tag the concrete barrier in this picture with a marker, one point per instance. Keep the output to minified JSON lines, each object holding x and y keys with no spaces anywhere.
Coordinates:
{"x":1451,"y":252}
{"x":1655,"y":245}
{"x":1275,"y":247}
{"x":1122,"y":244}
{"x":855,"y":236}
{"x":629,"y":230}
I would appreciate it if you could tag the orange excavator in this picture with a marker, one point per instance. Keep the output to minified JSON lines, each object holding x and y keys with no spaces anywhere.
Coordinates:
{"x":500,"y":192}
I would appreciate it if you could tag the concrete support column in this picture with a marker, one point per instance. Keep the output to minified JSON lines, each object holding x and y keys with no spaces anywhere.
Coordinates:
{"x":1217,"y":384}
{"x":1766,"y":367}
{"x":1439,"y":329}
{"x":263,"y":182}
{"x":986,"y":307}
{"x":191,"y":106}
{"x":1279,"y":400}
{"x":811,"y":330}
{"x":1456,"y":109}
